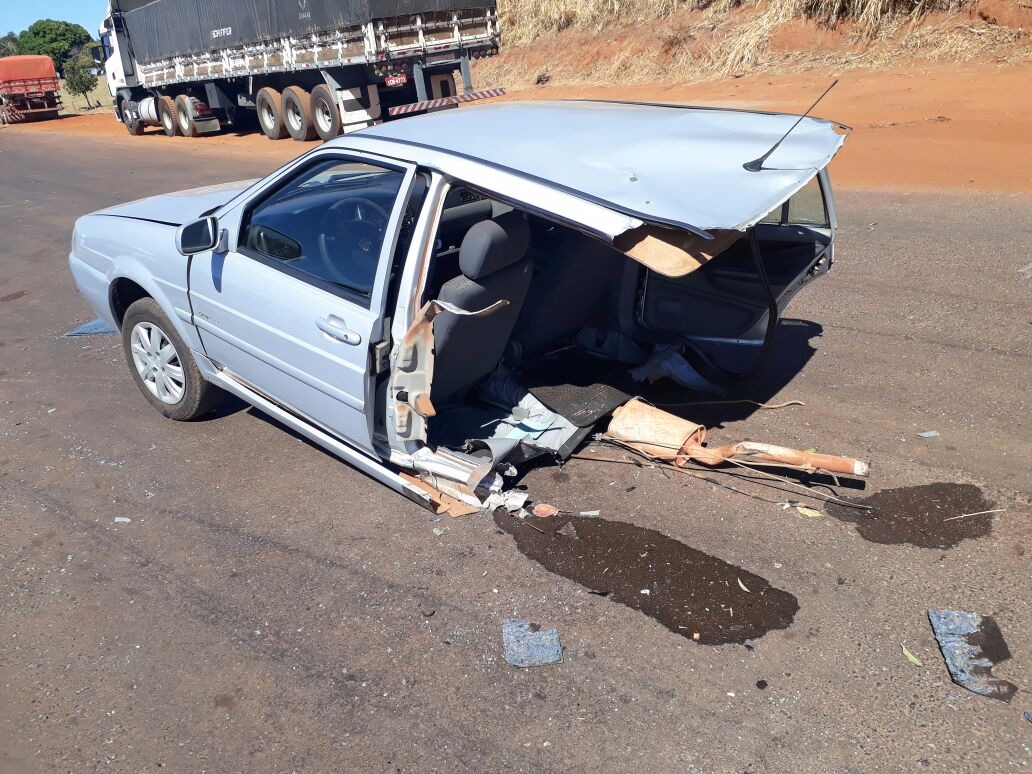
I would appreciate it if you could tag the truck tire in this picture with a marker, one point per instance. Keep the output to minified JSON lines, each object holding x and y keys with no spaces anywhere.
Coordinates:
{"x":134,"y":127}
{"x":270,"y":113}
{"x":171,"y":382}
{"x":325,"y":114}
{"x":186,"y":123}
{"x":297,"y":113}
{"x":167,"y":114}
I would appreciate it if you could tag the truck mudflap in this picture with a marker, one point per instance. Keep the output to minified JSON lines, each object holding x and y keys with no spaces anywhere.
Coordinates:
{"x":431,"y":104}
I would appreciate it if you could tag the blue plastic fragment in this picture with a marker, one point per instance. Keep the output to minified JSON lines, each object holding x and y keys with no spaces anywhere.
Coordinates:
{"x":971,"y":646}
{"x":526,"y":645}
{"x":93,"y":328}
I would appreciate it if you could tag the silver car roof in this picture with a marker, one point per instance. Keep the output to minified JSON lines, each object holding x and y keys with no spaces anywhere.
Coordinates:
{"x":674,"y":165}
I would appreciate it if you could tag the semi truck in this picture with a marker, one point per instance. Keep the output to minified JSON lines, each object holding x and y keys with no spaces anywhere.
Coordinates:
{"x":28,"y":89}
{"x":297,"y":68}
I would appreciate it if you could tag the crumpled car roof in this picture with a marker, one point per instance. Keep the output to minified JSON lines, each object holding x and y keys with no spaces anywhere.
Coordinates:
{"x":666,"y":164}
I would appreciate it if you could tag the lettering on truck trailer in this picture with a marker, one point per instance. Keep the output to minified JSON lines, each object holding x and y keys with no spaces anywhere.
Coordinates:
{"x":222,"y":32}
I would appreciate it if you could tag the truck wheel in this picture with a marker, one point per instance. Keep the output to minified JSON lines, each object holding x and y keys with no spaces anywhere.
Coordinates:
{"x":297,"y":113}
{"x":162,"y":366}
{"x":167,"y":114}
{"x":325,"y":114}
{"x":270,"y":114}
{"x":186,"y":123}
{"x":135,"y":128}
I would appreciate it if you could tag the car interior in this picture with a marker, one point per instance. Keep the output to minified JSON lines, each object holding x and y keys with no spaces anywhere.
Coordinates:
{"x":581,"y":316}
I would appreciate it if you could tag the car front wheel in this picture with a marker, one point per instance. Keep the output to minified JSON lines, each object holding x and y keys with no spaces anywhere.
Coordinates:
{"x":162,"y":366}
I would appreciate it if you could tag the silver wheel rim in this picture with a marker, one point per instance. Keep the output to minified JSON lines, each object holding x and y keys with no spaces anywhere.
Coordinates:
{"x":323,"y":118}
{"x":184,"y":121}
{"x":157,"y":363}
{"x":267,"y":114}
{"x":166,"y":119}
{"x":294,"y":117}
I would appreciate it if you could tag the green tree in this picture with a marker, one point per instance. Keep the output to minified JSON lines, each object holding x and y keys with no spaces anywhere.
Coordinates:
{"x":78,"y":78}
{"x":9,"y":44}
{"x":56,"y":39}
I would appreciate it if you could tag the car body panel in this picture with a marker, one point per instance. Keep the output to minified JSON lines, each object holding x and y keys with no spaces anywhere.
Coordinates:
{"x":181,"y":206}
{"x":679,"y":166}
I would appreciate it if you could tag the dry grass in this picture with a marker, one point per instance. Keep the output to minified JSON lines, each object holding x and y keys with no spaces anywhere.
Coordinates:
{"x":611,"y":41}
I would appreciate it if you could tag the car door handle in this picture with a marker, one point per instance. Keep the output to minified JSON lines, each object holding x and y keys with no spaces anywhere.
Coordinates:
{"x":335,"y":328}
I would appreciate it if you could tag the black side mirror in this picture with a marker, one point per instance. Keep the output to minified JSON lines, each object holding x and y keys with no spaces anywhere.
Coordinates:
{"x":97,"y":52}
{"x":199,"y":236}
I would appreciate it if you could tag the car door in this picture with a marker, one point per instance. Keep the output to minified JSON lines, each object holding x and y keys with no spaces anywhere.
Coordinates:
{"x":294,"y":304}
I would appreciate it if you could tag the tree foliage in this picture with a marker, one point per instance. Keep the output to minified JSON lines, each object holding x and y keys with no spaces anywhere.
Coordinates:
{"x":56,"y":39}
{"x":78,"y":78}
{"x":9,"y":44}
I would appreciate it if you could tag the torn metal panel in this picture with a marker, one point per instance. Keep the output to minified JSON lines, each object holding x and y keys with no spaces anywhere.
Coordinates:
{"x":412,"y":376}
{"x":673,"y":253}
{"x":972,"y":645}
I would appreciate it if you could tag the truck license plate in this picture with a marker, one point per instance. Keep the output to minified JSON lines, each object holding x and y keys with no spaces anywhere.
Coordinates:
{"x":395,"y":80}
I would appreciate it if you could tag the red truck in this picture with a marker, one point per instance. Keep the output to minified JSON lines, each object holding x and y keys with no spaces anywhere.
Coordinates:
{"x":28,"y":89}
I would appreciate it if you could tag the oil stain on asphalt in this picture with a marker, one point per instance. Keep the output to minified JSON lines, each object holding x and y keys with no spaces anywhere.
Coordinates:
{"x":928,"y":516}
{"x":691,"y":593}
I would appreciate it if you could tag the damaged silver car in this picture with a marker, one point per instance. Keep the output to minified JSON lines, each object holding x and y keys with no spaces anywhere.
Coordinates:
{"x":440,"y":299}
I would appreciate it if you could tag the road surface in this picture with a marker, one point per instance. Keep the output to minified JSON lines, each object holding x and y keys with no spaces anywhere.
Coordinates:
{"x":270,"y":609}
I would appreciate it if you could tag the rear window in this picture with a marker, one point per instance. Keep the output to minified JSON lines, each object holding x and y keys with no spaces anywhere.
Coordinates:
{"x":805,"y":208}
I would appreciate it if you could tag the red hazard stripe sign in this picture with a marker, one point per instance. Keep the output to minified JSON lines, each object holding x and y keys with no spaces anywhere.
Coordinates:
{"x":430,"y":104}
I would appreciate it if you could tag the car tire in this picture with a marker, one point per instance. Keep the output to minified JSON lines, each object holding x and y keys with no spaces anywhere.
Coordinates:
{"x":297,"y":113}
{"x":167,"y":116}
{"x":177,"y":391}
{"x":187,"y":127}
{"x":325,"y":113}
{"x":270,"y":113}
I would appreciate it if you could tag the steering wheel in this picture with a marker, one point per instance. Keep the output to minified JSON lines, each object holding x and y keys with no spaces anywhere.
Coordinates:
{"x":350,"y":240}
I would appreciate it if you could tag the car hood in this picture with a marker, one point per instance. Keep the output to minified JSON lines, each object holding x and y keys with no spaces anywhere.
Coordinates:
{"x":180,"y":207}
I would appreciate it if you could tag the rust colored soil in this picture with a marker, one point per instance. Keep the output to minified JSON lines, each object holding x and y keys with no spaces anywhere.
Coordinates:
{"x":935,"y":126}
{"x":941,"y":126}
{"x":691,"y":593}
{"x":929,"y":516}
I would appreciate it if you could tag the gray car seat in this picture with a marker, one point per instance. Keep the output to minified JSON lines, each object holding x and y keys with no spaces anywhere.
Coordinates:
{"x":572,"y":273}
{"x":493,"y":263}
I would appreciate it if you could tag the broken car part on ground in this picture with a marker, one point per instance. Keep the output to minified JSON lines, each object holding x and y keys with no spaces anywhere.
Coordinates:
{"x":441,"y":299}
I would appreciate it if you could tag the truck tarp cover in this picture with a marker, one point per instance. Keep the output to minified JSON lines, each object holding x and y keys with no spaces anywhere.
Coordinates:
{"x":26,"y":68}
{"x":162,"y":29}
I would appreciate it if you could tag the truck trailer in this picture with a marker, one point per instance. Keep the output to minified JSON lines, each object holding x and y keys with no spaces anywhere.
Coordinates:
{"x":297,"y":68}
{"x":28,"y":89}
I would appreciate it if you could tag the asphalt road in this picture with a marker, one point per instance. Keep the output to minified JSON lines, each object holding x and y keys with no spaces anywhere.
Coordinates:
{"x":270,"y":609}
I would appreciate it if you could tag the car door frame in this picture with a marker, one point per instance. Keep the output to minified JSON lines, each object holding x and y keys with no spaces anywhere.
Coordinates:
{"x":232,"y":218}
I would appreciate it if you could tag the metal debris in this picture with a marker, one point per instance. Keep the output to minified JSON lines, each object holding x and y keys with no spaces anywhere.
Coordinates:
{"x":972,"y":645}
{"x":122,"y":520}
{"x":929,"y":434}
{"x":93,"y":328}
{"x":526,"y":645}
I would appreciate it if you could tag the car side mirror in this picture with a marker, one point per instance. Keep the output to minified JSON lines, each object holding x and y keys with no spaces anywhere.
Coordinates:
{"x":200,"y":236}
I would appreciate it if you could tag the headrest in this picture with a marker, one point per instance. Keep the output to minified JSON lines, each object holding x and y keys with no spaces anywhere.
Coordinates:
{"x":494,"y":244}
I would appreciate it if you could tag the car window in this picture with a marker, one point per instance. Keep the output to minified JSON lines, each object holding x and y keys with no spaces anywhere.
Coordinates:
{"x":805,"y":208}
{"x":328,"y":224}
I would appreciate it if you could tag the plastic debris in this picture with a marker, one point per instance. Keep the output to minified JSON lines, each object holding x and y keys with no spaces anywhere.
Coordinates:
{"x":972,"y":645}
{"x":810,"y":513}
{"x":911,"y":657}
{"x":569,"y":531}
{"x":438,"y":531}
{"x":122,"y":520}
{"x":544,"y":510}
{"x":590,"y":514}
{"x":1027,"y":716}
{"x":93,"y":328}
{"x":672,"y":365}
{"x":526,"y":645}
{"x":743,"y":587}
{"x":929,"y":434}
